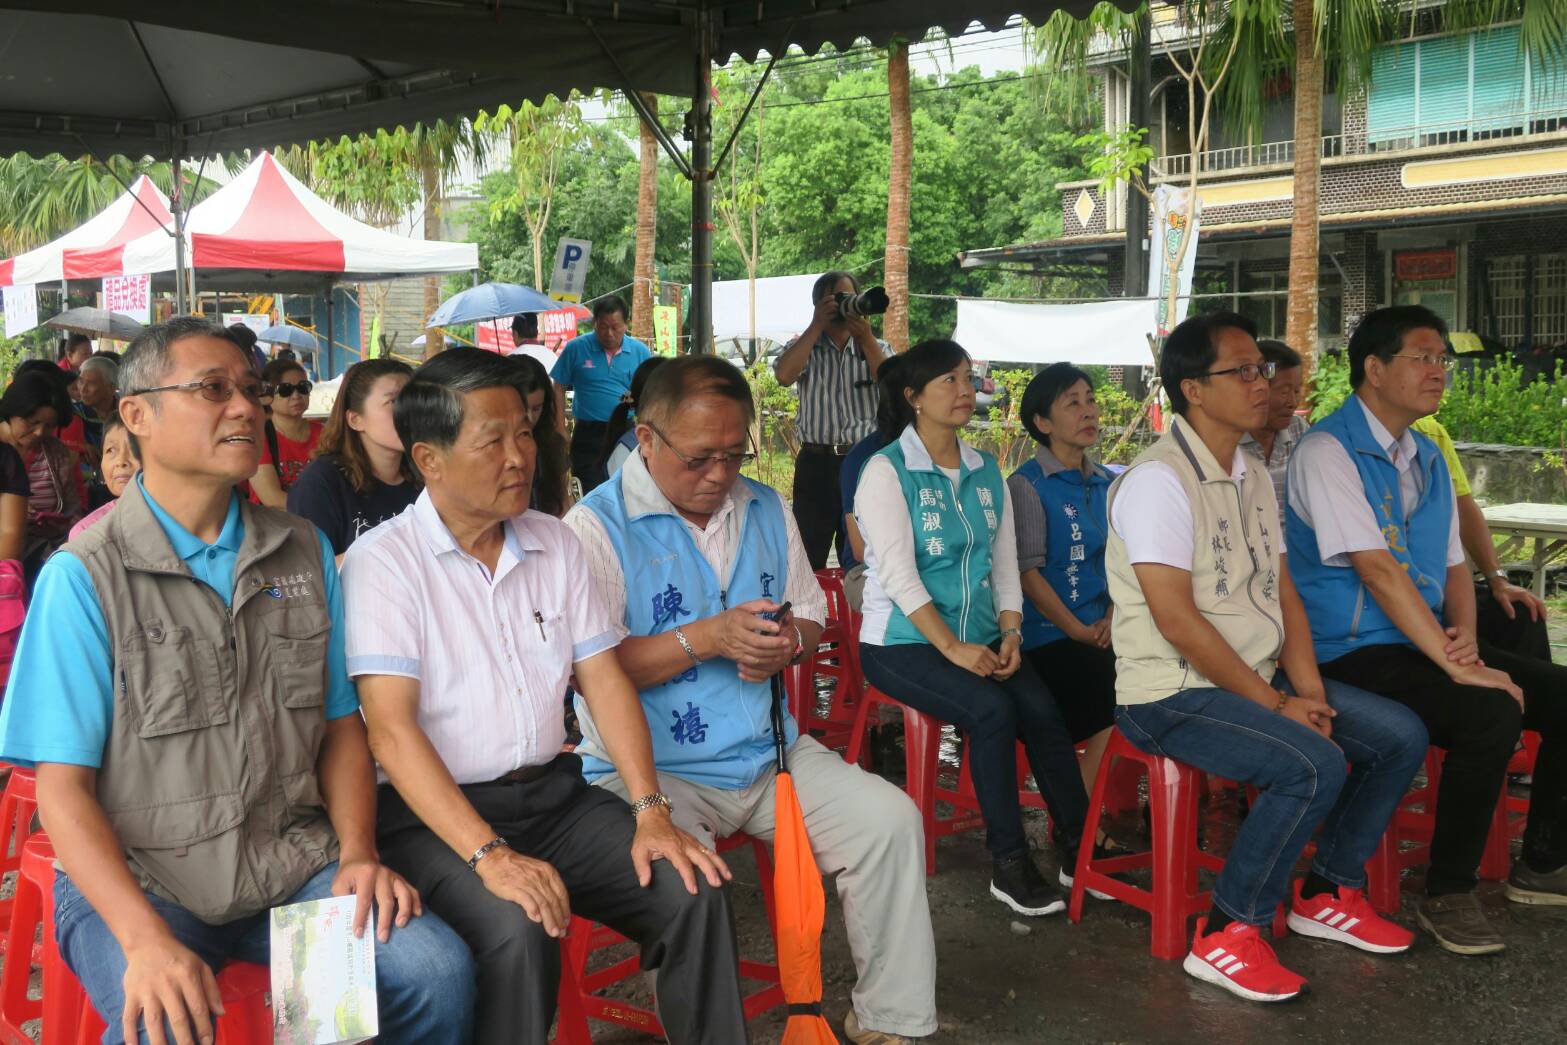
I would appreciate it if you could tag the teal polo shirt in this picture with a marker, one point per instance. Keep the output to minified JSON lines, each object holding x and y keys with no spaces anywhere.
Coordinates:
{"x":598,"y":381}
{"x":59,"y":703}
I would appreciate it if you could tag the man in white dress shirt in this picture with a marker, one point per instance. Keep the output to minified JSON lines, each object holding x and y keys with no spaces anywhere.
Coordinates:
{"x":469,"y":612}
{"x":689,"y":558}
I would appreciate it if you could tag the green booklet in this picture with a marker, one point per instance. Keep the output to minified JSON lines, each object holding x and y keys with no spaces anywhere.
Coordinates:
{"x":323,"y":976}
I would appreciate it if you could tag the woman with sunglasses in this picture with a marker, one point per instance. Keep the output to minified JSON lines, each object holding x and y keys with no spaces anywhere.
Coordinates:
{"x":290,"y":440}
{"x":943,"y":615}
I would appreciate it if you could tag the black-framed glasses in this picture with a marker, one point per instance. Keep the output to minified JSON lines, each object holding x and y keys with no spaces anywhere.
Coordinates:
{"x":702,"y":464}
{"x":1249,"y":372}
{"x":1430,"y":362}
{"x":288,"y":388}
{"x":212,"y":389}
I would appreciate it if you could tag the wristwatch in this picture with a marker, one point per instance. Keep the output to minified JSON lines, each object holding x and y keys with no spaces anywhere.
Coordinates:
{"x":646,"y":802}
{"x":485,"y":850}
{"x":1011,"y":631}
{"x":1498,"y":574}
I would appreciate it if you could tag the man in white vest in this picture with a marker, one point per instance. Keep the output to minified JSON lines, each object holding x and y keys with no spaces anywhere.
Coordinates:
{"x":1215,"y":669}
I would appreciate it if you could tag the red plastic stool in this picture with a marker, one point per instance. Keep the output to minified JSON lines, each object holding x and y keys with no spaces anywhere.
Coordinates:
{"x":246,"y":990}
{"x":580,"y":1002}
{"x":836,"y":657}
{"x":1175,"y":859}
{"x":27,"y":914}
{"x":17,"y":807}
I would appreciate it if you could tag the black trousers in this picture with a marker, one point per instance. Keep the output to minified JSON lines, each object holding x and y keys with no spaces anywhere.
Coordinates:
{"x":818,"y":504}
{"x":1479,"y":728}
{"x":587,"y":440}
{"x":1082,"y":678}
{"x":1520,"y":635}
{"x":585,"y":834}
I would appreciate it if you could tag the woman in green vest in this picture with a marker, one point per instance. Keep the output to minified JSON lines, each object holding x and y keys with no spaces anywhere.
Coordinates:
{"x":943,"y":615}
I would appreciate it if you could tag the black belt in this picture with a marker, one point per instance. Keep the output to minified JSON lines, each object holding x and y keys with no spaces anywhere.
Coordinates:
{"x":836,"y":449}
{"x":527,"y":774}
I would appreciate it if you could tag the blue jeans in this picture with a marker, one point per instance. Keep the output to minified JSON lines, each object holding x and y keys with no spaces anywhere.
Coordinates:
{"x":1302,"y":779}
{"x":424,"y":975}
{"x":994,"y":716}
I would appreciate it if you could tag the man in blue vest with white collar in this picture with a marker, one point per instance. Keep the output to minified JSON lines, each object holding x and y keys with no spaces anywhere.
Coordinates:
{"x":691,"y":560}
{"x":1372,"y":529}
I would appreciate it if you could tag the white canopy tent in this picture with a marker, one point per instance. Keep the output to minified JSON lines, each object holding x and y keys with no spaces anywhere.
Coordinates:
{"x":1107,"y":333}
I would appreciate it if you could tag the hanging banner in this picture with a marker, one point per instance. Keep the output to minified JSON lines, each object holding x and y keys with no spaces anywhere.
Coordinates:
{"x":258,"y":323}
{"x":494,"y":336}
{"x":129,"y":296}
{"x":21,"y":309}
{"x":666,"y":329}
{"x":558,"y":326}
{"x":1172,"y":254}
{"x":570,"y":278}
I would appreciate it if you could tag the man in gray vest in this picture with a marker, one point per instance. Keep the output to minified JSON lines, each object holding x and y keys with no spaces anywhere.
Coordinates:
{"x":181,"y":690}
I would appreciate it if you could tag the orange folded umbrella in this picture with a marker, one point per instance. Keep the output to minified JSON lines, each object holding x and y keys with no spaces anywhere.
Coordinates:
{"x":799,"y":904}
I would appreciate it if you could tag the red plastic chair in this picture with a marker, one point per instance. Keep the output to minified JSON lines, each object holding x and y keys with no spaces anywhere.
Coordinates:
{"x":836,"y":657}
{"x":67,"y":1017}
{"x":1173,"y":793}
{"x":579,"y":1000}
{"x":17,"y":807}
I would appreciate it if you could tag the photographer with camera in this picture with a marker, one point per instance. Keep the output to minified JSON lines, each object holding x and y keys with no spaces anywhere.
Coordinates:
{"x":835,"y":360}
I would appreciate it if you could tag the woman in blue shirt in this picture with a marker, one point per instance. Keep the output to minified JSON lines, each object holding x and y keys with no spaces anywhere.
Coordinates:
{"x":943,"y":612}
{"x":1060,"y":498}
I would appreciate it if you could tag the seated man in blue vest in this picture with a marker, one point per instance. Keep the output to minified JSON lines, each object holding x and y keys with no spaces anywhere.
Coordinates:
{"x":1374,"y":545}
{"x":690,"y":558}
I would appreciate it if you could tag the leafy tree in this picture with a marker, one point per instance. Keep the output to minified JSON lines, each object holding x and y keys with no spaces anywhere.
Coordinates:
{"x":42,"y":198}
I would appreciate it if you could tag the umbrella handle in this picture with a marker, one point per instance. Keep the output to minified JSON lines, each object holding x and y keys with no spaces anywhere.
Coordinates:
{"x":778,"y":722}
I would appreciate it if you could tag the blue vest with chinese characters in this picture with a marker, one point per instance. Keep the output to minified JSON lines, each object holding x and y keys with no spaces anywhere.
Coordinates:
{"x":954,"y":526}
{"x":1344,"y":615}
{"x":708,"y":726}
{"x":1076,"y":517}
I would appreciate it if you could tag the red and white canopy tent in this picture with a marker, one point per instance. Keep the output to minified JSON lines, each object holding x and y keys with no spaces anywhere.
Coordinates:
{"x":265,"y":231}
{"x":96,"y":247}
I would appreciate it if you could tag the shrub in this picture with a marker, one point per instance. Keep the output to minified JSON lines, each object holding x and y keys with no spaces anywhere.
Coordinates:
{"x":1486,"y":402}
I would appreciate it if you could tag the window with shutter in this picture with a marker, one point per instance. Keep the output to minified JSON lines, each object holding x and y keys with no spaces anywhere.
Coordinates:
{"x":1390,"y":115}
{"x":1443,"y":103}
{"x":1499,"y":101}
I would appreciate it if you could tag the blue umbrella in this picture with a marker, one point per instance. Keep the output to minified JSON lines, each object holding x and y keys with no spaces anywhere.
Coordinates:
{"x":491,"y":301}
{"x":294,"y":337}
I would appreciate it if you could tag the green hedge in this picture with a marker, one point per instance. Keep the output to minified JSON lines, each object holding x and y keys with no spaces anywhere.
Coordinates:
{"x":1491,"y":404}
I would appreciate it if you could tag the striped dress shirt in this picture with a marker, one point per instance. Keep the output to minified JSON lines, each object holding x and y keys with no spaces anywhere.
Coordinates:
{"x":837,"y":394}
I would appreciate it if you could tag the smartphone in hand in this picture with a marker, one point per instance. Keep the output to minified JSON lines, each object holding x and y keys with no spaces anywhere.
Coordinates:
{"x":778,"y":614}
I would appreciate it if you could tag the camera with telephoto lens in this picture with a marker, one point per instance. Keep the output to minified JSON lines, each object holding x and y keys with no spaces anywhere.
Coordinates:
{"x":872,"y":302}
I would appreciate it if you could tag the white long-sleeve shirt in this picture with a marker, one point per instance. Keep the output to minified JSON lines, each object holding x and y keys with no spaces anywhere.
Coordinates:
{"x":892,"y":577}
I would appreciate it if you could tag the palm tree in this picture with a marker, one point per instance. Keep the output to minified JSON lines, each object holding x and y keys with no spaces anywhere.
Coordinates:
{"x":438,"y":149}
{"x":1300,"y":325}
{"x":646,"y":273}
{"x":895,"y":269}
{"x":45,"y":197}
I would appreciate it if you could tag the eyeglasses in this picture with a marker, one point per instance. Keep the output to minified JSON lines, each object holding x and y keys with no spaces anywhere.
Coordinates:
{"x":702,"y":464}
{"x":1442,"y":362}
{"x":287,"y":388}
{"x":212,"y":389}
{"x":1248,"y":373}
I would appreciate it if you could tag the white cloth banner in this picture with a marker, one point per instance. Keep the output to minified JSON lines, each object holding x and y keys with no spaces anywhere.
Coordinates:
{"x":1108,"y":333}
{"x":21,"y":309}
{"x":783,"y":307}
{"x":129,"y":296}
{"x":1172,"y":254}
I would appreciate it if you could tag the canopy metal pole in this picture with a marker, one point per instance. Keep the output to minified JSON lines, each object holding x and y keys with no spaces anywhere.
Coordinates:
{"x":326,"y":374}
{"x":702,"y":188}
{"x":177,"y":209}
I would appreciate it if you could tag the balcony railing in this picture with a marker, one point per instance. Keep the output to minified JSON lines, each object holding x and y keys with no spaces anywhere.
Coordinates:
{"x":1500,"y":127}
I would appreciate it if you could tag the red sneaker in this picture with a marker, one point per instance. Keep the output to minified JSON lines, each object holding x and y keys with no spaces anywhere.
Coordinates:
{"x":1238,"y":959}
{"x":1347,"y":918}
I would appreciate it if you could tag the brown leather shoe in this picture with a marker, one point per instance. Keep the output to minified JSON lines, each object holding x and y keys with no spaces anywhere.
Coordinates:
{"x":860,"y":1036}
{"x":1459,"y":924}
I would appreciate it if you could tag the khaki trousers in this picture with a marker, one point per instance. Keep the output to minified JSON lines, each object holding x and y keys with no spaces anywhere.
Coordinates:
{"x":865,"y":831}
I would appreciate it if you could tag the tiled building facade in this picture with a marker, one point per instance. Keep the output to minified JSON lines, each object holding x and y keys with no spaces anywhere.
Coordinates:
{"x":1444,"y":184}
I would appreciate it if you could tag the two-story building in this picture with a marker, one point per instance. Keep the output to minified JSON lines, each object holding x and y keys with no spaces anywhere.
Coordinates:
{"x":1444,"y":184}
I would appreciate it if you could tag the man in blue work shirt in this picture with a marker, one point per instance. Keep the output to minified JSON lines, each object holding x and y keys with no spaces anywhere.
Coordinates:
{"x":598,"y":366}
{"x":181,"y":690}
